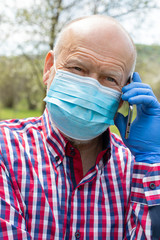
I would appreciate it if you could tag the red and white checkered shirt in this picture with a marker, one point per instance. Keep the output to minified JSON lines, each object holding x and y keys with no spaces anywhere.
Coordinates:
{"x":44,"y":195}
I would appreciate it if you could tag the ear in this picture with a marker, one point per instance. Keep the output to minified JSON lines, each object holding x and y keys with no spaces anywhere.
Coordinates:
{"x":49,"y":61}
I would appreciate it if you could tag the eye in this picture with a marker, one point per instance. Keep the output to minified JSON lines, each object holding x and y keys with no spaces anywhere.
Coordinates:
{"x":110,"y":79}
{"x":78,"y":69}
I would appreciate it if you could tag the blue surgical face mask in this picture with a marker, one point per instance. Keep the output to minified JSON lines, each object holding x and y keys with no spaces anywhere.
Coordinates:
{"x":80,"y":107}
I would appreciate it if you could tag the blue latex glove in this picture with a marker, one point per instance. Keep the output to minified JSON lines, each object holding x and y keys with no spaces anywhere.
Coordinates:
{"x":144,"y":137}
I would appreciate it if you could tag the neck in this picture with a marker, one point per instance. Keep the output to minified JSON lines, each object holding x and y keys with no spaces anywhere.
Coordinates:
{"x":89,"y":151}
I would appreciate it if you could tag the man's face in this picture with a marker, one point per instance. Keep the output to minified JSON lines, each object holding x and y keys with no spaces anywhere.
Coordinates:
{"x":98,"y":51}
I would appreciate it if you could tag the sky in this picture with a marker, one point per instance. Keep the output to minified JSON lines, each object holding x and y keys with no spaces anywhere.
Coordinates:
{"x":147,"y":33}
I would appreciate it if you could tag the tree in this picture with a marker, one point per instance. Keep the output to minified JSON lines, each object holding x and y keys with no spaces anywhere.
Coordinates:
{"x":17,"y":83}
{"x":44,"y":18}
{"x":38,"y":22}
{"x":122,"y":8}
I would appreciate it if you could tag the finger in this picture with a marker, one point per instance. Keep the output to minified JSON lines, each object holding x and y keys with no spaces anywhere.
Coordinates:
{"x":148,"y":101}
{"x":136,"y":77}
{"x":135,"y":85}
{"x":136,"y":92}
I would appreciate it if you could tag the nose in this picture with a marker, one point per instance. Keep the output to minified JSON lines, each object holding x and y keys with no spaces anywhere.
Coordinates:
{"x":94,"y":75}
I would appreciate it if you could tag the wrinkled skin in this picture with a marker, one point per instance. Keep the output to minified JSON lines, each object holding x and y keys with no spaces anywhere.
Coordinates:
{"x":96,"y":47}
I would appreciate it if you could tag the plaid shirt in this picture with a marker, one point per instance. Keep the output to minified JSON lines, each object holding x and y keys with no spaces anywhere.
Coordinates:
{"x":44,"y":195}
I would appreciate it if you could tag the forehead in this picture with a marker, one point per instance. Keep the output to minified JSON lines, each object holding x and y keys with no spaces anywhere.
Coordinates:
{"x":104,"y":38}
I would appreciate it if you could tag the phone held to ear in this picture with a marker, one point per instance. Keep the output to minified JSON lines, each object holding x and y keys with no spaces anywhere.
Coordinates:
{"x":130,"y":114}
{"x":129,"y":120}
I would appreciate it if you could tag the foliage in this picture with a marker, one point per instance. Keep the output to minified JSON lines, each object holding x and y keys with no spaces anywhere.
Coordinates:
{"x":148,"y":62}
{"x":38,"y":22}
{"x":11,"y":113}
{"x":20,"y":86}
{"x":18,"y":83}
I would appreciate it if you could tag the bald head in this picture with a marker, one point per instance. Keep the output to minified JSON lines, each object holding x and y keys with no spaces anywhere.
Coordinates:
{"x":99,"y":31}
{"x":96,"y":47}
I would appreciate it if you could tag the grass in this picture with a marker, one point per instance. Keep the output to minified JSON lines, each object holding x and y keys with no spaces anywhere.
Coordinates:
{"x":7,"y":113}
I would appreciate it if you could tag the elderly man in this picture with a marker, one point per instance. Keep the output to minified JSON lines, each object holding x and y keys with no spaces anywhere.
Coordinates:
{"x":64,"y":175}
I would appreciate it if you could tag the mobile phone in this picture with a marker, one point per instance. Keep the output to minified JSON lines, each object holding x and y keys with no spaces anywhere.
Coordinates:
{"x":129,"y":120}
{"x":130,"y":114}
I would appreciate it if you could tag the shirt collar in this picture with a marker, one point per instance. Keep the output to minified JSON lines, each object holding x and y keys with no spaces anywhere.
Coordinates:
{"x":55,"y":140}
{"x":57,"y":143}
{"x":105,"y":154}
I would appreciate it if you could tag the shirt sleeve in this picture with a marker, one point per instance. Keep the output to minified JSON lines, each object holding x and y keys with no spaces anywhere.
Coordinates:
{"x":143,"y":214}
{"x":12,"y":221}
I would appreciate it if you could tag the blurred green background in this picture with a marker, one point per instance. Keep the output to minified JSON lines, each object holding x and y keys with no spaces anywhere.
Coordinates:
{"x":28,"y":31}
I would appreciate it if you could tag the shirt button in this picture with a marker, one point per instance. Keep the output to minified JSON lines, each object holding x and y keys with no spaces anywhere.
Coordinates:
{"x":77,"y":234}
{"x":152,"y":186}
{"x":72,"y":151}
{"x":57,"y":158}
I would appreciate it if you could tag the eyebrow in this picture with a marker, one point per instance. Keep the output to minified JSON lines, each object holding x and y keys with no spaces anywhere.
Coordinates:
{"x":114,"y":73}
{"x":80,"y":62}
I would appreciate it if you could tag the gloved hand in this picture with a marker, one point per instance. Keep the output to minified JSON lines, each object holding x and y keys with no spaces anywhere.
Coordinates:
{"x":144,"y":137}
